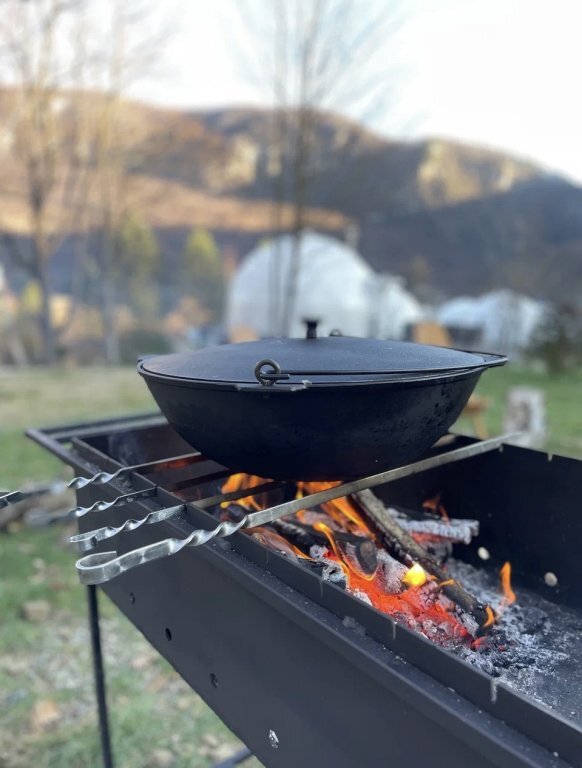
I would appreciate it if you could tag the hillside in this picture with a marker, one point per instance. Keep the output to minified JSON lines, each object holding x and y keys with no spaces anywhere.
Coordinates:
{"x":446,"y":216}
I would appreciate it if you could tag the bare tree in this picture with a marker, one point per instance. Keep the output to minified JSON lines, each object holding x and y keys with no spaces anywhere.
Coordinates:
{"x":327,"y":57}
{"x":67,"y":76}
{"x":126,"y":57}
{"x":44,"y":140}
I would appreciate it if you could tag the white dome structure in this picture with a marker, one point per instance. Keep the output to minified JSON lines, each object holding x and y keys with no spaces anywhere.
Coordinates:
{"x":334,"y":285}
{"x":507,"y":320}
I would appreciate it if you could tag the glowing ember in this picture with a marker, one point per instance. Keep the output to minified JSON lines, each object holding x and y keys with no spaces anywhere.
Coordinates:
{"x":415,"y":576}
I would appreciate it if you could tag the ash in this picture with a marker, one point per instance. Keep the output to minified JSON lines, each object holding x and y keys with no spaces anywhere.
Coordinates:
{"x":535,"y":649}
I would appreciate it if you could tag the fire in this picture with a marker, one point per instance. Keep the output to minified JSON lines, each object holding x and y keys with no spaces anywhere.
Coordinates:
{"x":434,"y":505}
{"x":490,"y":617}
{"x":272,"y":540}
{"x":348,"y":564}
{"x":415,"y":576}
{"x":242,"y":481}
{"x":417,"y":607}
{"x":508,"y":593}
{"x":343,"y":511}
{"x":343,"y":536}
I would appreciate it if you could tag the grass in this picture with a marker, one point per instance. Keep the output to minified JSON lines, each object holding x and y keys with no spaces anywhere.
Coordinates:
{"x":562,"y":394}
{"x":37,"y":397}
{"x":151,"y":706}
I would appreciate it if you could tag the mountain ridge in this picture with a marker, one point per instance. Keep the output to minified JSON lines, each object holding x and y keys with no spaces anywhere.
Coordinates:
{"x":443,"y":214}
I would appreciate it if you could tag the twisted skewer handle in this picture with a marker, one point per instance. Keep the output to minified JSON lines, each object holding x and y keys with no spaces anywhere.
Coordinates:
{"x":120,"y":501}
{"x":90,"y":539}
{"x":11,"y":498}
{"x":104,"y":566}
{"x":102,"y":478}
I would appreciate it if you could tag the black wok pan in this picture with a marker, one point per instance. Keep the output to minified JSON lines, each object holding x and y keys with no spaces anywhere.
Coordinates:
{"x":316,"y":408}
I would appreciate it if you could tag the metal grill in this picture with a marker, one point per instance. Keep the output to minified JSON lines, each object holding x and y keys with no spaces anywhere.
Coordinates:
{"x":301,"y":671}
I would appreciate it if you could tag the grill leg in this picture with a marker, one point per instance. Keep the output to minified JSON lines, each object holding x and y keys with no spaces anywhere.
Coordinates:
{"x":237,"y":759}
{"x":99,"y":675}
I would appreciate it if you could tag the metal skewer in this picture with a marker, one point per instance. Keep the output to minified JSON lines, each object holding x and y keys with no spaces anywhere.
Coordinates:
{"x":120,"y":501}
{"x":90,"y":539}
{"x":13,"y":497}
{"x":104,"y":566}
{"x":102,"y":478}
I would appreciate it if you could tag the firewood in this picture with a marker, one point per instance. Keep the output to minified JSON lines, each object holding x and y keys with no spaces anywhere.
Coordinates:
{"x":454,"y":530}
{"x":358,"y":549}
{"x":401,"y":543}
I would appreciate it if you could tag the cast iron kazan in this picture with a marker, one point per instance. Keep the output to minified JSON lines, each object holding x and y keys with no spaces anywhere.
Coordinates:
{"x":315,"y":408}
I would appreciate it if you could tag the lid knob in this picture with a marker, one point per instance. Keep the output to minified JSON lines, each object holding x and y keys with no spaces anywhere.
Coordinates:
{"x":310,"y":327}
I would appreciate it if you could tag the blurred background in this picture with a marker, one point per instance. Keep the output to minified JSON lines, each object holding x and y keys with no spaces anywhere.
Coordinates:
{"x":181,"y":174}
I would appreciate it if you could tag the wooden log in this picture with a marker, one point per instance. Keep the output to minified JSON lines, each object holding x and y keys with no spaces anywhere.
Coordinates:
{"x":454,"y":530}
{"x":359,"y":550}
{"x":399,"y":541}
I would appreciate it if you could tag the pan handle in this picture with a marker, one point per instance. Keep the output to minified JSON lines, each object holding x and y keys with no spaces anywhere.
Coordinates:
{"x":268,"y":372}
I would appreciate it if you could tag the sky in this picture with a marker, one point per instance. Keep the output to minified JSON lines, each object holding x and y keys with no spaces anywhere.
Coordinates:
{"x":498,"y":73}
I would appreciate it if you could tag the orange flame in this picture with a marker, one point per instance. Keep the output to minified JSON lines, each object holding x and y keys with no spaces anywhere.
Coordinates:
{"x":508,"y":593}
{"x":434,"y":505}
{"x":242,"y":481}
{"x":273,"y":540}
{"x":490,"y":617}
{"x":413,"y":605}
{"x":343,"y":511}
{"x":344,"y":561}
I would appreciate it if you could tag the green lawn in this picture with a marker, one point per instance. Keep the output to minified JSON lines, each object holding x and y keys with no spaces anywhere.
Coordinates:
{"x":36,"y":397}
{"x":151,"y":707}
{"x":563,"y":400}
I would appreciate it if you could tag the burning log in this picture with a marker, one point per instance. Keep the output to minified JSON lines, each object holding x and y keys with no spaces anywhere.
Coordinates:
{"x":393,"y":572}
{"x":359,"y":551}
{"x":272,"y":540}
{"x":399,"y":541}
{"x":455,"y":530}
{"x":328,"y":571}
{"x":437,"y":535}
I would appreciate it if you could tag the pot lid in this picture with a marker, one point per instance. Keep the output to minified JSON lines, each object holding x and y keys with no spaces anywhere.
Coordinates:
{"x":323,"y":360}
